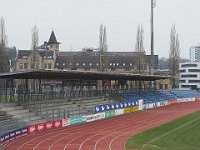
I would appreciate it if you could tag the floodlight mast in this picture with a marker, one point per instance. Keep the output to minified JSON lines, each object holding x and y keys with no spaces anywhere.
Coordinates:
{"x":153,"y":5}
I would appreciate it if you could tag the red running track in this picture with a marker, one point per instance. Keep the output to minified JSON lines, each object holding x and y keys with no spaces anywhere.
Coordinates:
{"x":105,"y":134}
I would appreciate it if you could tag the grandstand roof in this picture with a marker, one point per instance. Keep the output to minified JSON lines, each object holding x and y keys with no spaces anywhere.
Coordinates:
{"x":84,"y":75}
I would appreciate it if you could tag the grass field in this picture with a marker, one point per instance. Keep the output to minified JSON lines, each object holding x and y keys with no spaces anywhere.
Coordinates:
{"x":180,"y":134}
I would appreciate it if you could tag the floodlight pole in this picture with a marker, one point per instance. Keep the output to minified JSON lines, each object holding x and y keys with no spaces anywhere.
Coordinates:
{"x":153,"y":4}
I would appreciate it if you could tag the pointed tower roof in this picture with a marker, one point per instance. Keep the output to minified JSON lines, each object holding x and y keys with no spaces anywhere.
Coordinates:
{"x":52,"y":39}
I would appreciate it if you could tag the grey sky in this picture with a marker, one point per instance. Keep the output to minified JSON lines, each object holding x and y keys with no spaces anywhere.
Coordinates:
{"x":76,"y":23}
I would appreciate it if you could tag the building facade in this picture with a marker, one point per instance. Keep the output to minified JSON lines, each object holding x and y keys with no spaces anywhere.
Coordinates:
{"x":48,"y":56}
{"x":189,"y":75}
{"x":195,"y":53}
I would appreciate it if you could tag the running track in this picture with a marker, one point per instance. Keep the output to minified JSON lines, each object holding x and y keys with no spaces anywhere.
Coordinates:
{"x":105,"y":134}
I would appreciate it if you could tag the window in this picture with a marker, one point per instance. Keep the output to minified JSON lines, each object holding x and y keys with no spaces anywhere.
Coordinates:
{"x":161,"y":86}
{"x":110,"y":64}
{"x":83,"y":64}
{"x":63,"y":64}
{"x":127,"y":69}
{"x":90,"y":64}
{"x":86,"y":69}
{"x":123,"y":64}
{"x":49,"y":66}
{"x":182,"y":70}
{"x":189,"y":65}
{"x":117,"y":64}
{"x":25,"y":66}
{"x":32,"y":66}
{"x":189,"y":76}
{"x":77,"y":64}
{"x":166,"y":86}
{"x":194,"y":70}
{"x":131,"y":64}
{"x":182,"y":81}
{"x":20,"y":66}
{"x":57,"y":64}
{"x":45,"y":66}
{"x":194,"y":81}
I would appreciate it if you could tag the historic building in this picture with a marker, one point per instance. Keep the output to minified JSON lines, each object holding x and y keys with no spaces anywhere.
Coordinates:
{"x":49,"y":56}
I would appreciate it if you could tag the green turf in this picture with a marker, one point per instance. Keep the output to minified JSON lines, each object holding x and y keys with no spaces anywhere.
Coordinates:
{"x":180,"y":134}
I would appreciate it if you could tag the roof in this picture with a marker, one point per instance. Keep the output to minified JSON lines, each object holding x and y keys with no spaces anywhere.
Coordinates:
{"x":83,"y":75}
{"x":24,"y":54}
{"x":52,"y":39}
{"x":91,"y":58}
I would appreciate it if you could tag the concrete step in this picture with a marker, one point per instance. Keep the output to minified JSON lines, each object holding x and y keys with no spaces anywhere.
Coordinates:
{"x":9,"y":108}
{"x":23,"y":112}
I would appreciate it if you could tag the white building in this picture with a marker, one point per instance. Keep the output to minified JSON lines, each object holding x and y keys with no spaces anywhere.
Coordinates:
{"x":189,"y":75}
{"x":195,"y":53}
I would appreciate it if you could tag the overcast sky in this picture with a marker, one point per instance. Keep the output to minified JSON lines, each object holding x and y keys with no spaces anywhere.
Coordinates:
{"x":76,"y":23}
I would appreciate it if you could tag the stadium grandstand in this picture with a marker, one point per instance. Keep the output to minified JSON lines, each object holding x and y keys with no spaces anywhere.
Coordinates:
{"x":78,"y":94}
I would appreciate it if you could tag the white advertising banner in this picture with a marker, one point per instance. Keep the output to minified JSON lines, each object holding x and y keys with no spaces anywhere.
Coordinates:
{"x":94,"y":117}
{"x":140,"y":106}
{"x":119,"y":112}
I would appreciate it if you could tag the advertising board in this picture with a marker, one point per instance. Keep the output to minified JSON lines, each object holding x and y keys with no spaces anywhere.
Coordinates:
{"x":119,"y":112}
{"x":134,"y":109}
{"x":44,"y":126}
{"x":13,"y":135}
{"x":65,"y":122}
{"x":127,"y":110}
{"x":94,"y":117}
{"x":77,"y":120}
{"x":110,"y":113}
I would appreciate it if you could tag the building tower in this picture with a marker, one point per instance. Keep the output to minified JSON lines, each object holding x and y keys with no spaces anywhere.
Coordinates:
{"x":53,"y":44}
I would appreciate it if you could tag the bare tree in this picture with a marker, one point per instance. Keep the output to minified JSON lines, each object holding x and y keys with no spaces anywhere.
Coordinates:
{"x":4,"y":62}
{"x":174,"y":57}
{"x":140,"y":59}
{"x":103,"y":49}
{"x":70,"y":58}
{"x":34,"y":46}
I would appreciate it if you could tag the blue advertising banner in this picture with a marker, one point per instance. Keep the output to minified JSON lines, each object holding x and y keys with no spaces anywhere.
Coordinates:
{"x":126,"y":104}
{"x":97,"y":109}
{"x":117,"y":106}
{"x":129,"y":104}
{"x":113,"y":106}
{"x":108,"y":107}
{"x":13,"y":135}
{"x":121,"y":105}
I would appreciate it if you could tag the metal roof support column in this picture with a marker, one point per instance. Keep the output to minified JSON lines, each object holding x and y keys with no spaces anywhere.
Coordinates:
{"x":62,"y":91}
{"x":6,"y":80}
{"x":89,"y":88}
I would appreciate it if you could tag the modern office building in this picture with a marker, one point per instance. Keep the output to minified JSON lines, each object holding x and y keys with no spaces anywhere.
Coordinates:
{"x":195,"y":53}
{"x":189,"y":75}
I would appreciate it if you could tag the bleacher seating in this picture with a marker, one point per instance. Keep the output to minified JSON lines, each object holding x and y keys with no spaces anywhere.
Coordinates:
{"x":156,"y":96}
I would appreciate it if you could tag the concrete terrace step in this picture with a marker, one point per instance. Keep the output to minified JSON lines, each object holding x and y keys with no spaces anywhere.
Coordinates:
{"x":67,"y":100}
{"x":18,"y":111}
{"x":7,"y":104}
{"x":9,"y":108}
